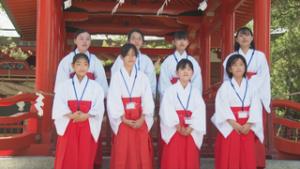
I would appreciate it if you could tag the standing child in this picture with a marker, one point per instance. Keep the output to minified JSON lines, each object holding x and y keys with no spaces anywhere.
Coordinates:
{"x":238,"y":117}
{"x":257,"y":73}
{"x":77,"y":112}
{"x":168,"y":74}
{"x":183,"y":121}
{"x":130,"y":110}
{"x":143,"y":62}
{"x":65,"y":71}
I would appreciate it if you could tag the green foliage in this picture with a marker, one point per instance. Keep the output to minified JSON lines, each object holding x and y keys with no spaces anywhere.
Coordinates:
{"x":285,"y":50}
{"x":10,"y":48}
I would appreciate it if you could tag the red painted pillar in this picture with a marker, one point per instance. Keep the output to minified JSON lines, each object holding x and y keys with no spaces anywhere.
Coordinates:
{"x":228,"y":29}
{"x":262,"y":14}
{"x":56,"y":25}
{"x":204,"y":51}
{"x":44,"y":61}
{"x":63,"y":39}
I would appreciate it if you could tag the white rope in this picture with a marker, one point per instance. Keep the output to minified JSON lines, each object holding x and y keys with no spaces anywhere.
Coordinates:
{"x":160,"y":11}
{"x":120,"y":2}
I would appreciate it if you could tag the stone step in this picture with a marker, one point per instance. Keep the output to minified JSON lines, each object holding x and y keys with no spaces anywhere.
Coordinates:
{"x":45,"y":162}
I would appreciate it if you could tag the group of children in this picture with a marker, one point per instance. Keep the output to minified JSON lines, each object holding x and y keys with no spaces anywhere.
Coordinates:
{"x":81,"y":87}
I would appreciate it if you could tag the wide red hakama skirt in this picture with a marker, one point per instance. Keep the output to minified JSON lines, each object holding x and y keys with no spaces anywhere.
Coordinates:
{"x":98,"y":157}
{"x":76,"y":149}
{"x":259,"y":147}
{"x":237,"y":150}
{"x":132,"y":148}
{"x":181,"y":152}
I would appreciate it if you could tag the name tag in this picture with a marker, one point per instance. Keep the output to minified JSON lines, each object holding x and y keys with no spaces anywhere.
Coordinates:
{"x":188,"y":120}
{"x":242,"y":114}
{"x":130,"y":105}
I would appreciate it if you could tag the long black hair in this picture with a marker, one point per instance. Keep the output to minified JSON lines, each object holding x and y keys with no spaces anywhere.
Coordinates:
{"x":233,"y":58}
{"x":182,"y":64}
{"x":80,"y":56}
{"x":80,"y":31}
{"x":245,"y":31}
{"x":125,"y":49}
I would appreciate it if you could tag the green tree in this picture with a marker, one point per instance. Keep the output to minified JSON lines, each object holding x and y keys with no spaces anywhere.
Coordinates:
{"x":285,"y":50}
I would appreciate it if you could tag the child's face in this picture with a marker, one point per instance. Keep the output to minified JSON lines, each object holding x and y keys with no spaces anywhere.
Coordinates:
{"x":136,"y":39}
{"x":238,"y":69}
{"x":83,"y":41}
{"x":185,"y":74}
{"x":180,"y":44}
{"x":129,"y":59}
{"x":244,"y":39}
{"x":81,"y":67}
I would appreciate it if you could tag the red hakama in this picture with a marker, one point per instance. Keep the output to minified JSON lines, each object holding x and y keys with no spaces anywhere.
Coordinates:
{"x":132,"y":148}
{"x":259,"y":147}
{"x":77,"y":147}
{"x":181,"y":152}
{"x":98,"y":157}
{"x":237,"y":150}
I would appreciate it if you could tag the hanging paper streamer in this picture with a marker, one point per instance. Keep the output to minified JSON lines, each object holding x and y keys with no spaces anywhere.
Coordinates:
{"x":39,"y":103}
{"x":202,"y":6}
{"x":68,"y":4}
{"x":120,"y":2}
{"x":162,"y":7}
{"x":20,"y":104}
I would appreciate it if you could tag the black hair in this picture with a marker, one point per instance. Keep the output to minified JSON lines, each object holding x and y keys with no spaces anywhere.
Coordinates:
{"x":135,"y":30}
{"x":181,"y":35}
{"x":80,"y":56}
{"x":232,"y":60}
{"x":125,"y":49}
{"x":245,"y":31}
{"x":80,"y":31}
{"x":182,"y":64}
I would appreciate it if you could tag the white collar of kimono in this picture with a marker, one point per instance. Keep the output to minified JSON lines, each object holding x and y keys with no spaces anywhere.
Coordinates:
{"x":125,"y":73}
{"x":179,"y":57}
{"x":239,"y":89}
{"x":87,"y":52}
{"x":83,"y":81}
{"x":249,"y":52}
{"x":183,"y":91}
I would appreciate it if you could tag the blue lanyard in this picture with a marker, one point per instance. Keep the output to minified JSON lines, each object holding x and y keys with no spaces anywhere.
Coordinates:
{"x":79,"y":101}
{"x":176,"y":58}
{"x":250,"y":58}
{"x":89,"y":57}
{"x":127,"y":85}
{"x":239,"y":95}
{"x":187,"y":104}
{"x":138,"y":57}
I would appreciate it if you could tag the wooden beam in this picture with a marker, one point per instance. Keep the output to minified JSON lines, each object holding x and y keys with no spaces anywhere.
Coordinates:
{"x":189,"y":20}
{"x":143,"y":8}
{"x":75,"y":16}
{"x":212,"y":5}
{"x":232,"y":6}
{"x":122,"y":29}
{"x":215,"y":24}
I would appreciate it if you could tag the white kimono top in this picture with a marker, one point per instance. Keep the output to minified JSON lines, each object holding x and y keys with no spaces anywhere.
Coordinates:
{"x":227,"y":98}
{"x":117,"y":91}
{"x":261,"y":80}
{"x":143,"y":64}
{"x":168,"y":68}
{"x":170,"y":104}
{"x":65,"y":69}
{"x":65,"y":92}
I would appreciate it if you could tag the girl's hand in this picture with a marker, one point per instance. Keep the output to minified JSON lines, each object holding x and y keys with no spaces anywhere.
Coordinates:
{"x":74,"y":115}
{"x":129,"y":123}
{"x":178,"y":128}
{"x":235,"y":125}
{"x":187,"y":131}
{"x":139,"y":122}
{"x":82,"y":117}
{"x":246,"y":128}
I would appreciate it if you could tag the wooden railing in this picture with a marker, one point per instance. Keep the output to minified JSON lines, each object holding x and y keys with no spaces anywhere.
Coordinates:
{"x":283,"y":144}
{"x":22,"y":138}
